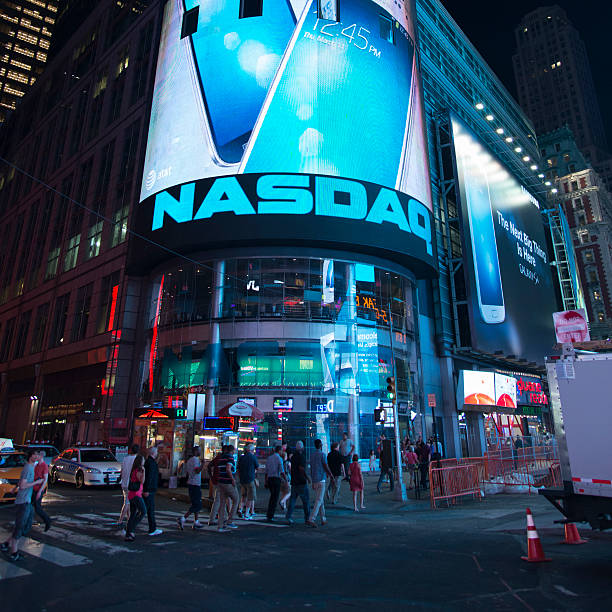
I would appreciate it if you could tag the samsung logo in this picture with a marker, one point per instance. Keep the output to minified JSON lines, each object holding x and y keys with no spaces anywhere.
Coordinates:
{"x":292,"y":194}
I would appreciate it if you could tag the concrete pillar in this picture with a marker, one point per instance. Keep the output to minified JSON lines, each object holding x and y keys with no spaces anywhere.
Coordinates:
{"x":448,"y":410}
{"x":215,"y":338}
{"x":477,"y":445}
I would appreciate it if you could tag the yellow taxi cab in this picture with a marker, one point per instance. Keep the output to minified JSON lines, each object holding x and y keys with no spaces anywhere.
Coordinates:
{"x":11,"y":464}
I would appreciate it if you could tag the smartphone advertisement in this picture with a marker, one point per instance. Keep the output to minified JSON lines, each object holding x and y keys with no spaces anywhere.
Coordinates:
{"x":306,"y":90}
{"x":511,"y":295}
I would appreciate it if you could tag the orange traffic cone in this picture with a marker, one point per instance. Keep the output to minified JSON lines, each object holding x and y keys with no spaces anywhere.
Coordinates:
{"x":535,"y":552}
{"x":572,"y":536}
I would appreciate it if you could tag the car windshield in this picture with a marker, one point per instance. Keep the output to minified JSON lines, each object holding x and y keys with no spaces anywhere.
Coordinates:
{"x":11,"y":460}
{"x":96,"y":455}
{"x":48,"y":451}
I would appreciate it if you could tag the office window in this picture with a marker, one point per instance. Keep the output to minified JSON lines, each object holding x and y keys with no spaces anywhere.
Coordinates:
{"x":190,"y":22}
{"x":94,"y":239}
{"x":60,"y":316}
{"x":52,"y":261}
{"x":72,"y":252}
{"x":109,"y":296}
{"x":22,"y":334}
{"x":40,"y":326}
{"x":7,"y":339}
{"x":106,"y":164}
{"x":120,"y":226}
{"x":601,"y":317}
{"x":81,"y":313}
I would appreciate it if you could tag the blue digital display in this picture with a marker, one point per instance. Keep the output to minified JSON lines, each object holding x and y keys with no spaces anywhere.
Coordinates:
{"x":235,"y":61}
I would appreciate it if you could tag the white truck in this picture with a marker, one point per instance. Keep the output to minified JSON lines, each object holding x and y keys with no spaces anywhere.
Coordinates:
{"x":580,"y":390}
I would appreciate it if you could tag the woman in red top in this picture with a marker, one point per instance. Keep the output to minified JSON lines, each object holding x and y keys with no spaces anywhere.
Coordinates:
{"x":137,"y":507}
{"x":356,"y":481}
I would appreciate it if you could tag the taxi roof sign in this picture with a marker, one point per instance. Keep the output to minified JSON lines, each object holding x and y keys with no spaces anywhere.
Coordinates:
{"x":6,"y":444}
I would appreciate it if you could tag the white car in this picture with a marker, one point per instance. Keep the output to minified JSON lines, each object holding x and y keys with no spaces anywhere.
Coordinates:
{"x":86,"y":466}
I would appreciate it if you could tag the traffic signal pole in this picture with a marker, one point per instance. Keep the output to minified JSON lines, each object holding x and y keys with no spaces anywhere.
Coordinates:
{"x":399,"y":492}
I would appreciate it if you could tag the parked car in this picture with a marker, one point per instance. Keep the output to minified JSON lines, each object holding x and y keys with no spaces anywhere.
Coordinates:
{"x":11,"y":464}
{"x":86,"y":466}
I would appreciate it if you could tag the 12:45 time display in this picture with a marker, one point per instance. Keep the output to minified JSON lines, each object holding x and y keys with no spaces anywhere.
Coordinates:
{"x":355,"y":35}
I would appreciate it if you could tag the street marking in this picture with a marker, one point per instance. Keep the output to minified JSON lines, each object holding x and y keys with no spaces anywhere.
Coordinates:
{"x":71,"y":537}
{"x":565,"y":591}
{"x":10,"y":570}
{"x":163,"y":543}
{"x":46,"y":552}
{"x":96,"y":518}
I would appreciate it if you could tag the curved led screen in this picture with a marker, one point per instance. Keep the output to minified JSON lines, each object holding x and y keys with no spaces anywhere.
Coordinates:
{"x":288,"y":128}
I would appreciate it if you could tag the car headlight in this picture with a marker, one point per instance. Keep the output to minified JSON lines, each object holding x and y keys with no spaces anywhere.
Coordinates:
{"x":93,"y":470}
{"x":4,"y":481}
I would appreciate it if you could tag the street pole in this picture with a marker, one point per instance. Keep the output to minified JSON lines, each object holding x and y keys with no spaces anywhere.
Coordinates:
{"x":399,"y":493}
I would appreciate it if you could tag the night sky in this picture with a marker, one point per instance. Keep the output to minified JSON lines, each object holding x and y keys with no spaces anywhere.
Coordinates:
{"x":490,"y":26}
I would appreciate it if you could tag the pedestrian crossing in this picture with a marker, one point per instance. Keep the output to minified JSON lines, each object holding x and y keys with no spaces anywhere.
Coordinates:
{"x":94,"y":532}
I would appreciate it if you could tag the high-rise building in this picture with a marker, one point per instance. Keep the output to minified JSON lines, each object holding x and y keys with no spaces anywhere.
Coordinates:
{"x":25,"y":37}
{"x":554,"y":80}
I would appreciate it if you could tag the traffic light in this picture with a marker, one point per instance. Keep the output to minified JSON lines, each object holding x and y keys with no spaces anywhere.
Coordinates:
{"x":391,"y":388}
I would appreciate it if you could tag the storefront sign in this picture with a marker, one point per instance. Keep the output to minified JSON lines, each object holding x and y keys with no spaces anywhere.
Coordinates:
{"x":321,"y":405}
{"x":225,"y":423}
{"x":431,"y":400}
{"x":283,"y":403}
{"x":529,"y":391}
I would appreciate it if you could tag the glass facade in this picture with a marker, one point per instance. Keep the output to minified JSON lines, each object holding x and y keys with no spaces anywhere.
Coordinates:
{"x":325,"y":333}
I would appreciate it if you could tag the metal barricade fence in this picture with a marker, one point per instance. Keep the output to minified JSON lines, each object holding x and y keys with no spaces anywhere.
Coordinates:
{"x":451,"y":479}
{"x":452,"y":482}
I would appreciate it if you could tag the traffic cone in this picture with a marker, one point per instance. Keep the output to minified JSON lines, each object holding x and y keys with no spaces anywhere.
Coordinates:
{"x":572,"y":536}
{"x":535,"y":552}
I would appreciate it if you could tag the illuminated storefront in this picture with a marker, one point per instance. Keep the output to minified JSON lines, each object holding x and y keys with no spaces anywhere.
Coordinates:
{"x":309,"y":342}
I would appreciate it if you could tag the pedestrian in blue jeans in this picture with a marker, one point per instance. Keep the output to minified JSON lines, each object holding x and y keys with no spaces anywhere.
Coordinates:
{"x":299,"y":483}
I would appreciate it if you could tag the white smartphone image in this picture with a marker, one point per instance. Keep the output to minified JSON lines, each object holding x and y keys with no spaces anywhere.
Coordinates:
{"x":484,"y":247}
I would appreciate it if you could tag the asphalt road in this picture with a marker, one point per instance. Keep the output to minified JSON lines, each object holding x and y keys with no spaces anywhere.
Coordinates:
{"x":390,"y":557}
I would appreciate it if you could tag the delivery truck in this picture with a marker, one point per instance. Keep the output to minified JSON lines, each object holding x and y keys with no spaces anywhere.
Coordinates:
{"x":580,"y":391}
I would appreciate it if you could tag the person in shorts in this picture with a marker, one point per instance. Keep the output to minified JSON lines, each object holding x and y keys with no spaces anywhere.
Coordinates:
{"x":23,"y":506}
{"x":193,"y":467}
{"x":247,"y":471}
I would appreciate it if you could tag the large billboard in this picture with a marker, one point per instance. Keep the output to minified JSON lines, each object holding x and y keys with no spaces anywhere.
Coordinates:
{"x":511,"y":296}
{"x":289,"y":128}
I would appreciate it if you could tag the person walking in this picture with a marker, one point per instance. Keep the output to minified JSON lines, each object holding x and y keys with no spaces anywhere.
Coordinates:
{"x":299,"y":483}
{"x":318,"y":472}
{"x":285,"y":482}
{"x":386,"y":466}
{"x":412,"y":462}
{"x":336,"y":466}
{"x":247,"y":472}
{"x":346,"y":448}
{"x":149,"y":489}
{"x":227,"y":490}
{"x":422,"y":452}
{"x":41,"y":472}
{"x":372,"y":462}
{"x":357,"y":485}
{"x":126,"y":470}
{"x":137,"y":507}
{"x":275,"y":473}
{"x":213,"y":478}
{"x":193,"y":467}
{"x":23,"y":507}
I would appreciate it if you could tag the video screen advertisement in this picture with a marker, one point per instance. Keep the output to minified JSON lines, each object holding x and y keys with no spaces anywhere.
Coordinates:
{"x":302,"y":126}
{"x":511,"y":296}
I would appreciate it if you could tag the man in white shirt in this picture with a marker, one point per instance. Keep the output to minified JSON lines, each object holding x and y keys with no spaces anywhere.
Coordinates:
{"x":193,"y":467}
{"x":126,"y":470}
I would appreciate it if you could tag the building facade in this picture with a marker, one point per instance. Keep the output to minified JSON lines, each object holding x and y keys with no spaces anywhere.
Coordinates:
{"x":75,"y":147}
{"x":193,"y":261}
{"x":25,"y":37}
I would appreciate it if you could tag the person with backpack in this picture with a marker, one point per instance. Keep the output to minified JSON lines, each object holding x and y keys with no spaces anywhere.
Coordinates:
{"x":137,"y":506}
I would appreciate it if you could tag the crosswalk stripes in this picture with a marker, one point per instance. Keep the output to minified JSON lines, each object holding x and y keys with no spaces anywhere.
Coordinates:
{"x":10,"y":570}
{"x":46,"y":552}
